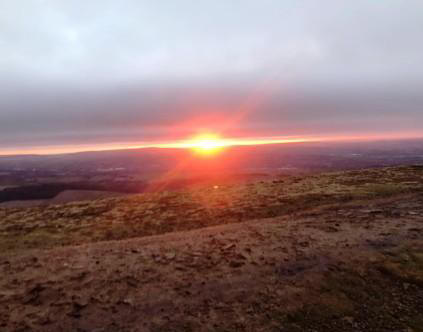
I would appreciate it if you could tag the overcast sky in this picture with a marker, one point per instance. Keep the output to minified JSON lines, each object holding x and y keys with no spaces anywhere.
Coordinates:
{"x":75,"y":72}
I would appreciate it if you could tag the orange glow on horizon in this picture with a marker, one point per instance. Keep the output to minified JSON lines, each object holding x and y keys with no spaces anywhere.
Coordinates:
{"x":204,"y":143}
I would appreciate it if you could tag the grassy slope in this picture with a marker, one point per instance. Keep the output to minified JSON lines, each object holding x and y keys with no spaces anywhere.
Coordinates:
{"x":340,"y":252}
{"x":151,"y":214}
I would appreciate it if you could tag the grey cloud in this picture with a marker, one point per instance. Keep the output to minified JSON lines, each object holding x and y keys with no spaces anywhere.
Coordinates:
{"x":92,"y":71}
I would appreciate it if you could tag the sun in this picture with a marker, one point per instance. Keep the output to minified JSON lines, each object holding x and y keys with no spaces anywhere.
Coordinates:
{"x":207,"y":144}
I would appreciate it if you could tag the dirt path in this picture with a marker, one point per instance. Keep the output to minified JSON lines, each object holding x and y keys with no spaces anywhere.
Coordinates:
{"x":355,"y":267}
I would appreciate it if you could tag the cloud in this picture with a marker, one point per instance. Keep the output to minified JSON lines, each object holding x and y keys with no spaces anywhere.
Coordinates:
{"x":105,"y":70}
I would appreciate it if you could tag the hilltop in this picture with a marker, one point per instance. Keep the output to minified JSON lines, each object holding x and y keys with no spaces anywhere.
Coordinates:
{"x":324,"y":252}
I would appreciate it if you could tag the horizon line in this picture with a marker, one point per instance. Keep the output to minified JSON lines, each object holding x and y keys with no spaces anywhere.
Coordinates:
{"x":192,"y":144}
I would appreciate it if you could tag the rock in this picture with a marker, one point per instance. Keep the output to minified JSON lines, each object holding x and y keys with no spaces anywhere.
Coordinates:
{"x":156,"y":258}
{"x":76,"y":310}
{"x":170,"y":255}
{"x":228,"y":246}
{"x":180,"y":268}
{"x":43,"y":318}
{"x":32,"y":295}
{"x":371,"y":211}
{"x":349,"y":319}
{"x":132,"y":281}
{"x":236,"y":264}
{"x":80,"y":303}
{"x":129,"y":302}
{"x":410,"y":182}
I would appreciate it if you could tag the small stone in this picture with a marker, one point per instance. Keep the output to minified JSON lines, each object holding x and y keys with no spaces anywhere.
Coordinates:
{"x":156,"y":258}
{"x":80,"y":303}
{"x":132,"y":282}
{"x":43,"y":318}
{"x":349,"y":319}
{"x":229,"y":246}
{"x":129,"y":302}
{"x":236,"y":264}
{"x":371,"y":211}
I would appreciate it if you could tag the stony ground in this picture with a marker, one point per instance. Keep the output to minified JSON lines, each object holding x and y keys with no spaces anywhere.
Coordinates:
{"x":331,"y":252}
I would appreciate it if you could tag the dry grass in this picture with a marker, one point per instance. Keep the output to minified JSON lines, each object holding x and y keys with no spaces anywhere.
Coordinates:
{"x":148,"y":214}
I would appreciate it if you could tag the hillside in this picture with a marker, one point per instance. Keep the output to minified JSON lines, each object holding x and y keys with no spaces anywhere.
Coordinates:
{"x":331,"y":252}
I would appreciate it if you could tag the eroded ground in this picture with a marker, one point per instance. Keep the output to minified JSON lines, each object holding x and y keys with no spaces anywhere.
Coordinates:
{"x":334,"y":252}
